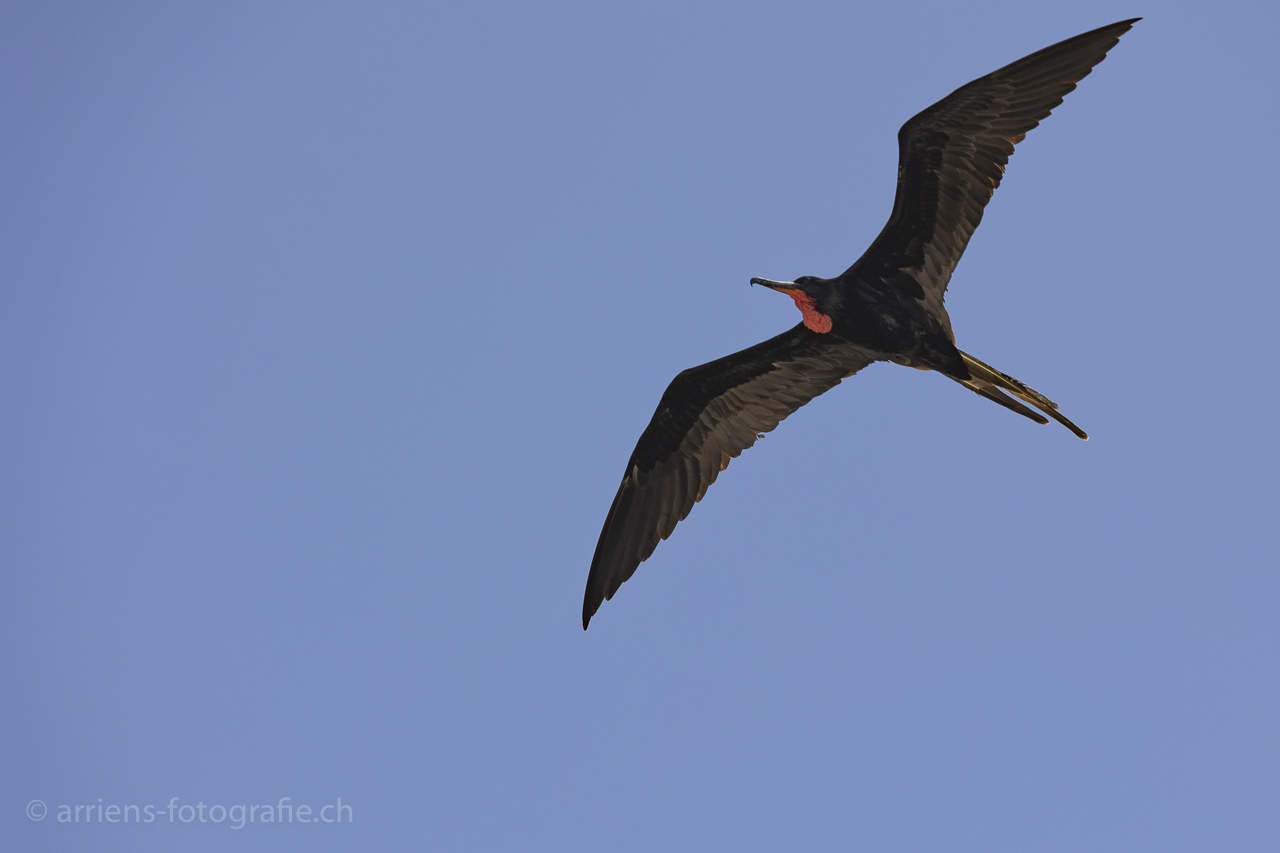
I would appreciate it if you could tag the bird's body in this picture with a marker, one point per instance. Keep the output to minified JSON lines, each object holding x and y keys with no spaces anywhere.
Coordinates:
{"x":888,"y":306}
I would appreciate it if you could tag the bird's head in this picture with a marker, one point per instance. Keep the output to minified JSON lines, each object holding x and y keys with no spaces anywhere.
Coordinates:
{"x":813,"y":297}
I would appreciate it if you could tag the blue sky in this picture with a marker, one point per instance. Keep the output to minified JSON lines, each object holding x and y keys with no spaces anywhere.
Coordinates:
{"x":325,"y":333}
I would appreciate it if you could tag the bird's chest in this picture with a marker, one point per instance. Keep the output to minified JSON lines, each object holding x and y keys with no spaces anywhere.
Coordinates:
{"x":880,"y":322}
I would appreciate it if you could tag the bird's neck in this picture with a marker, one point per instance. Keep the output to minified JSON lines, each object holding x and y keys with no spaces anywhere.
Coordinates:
{"x":814,"y":320}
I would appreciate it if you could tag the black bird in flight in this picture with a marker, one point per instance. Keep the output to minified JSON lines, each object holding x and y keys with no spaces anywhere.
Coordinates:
{"x":886,"y":307}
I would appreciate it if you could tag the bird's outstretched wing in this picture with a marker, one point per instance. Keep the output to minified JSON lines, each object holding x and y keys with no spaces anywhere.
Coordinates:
{"x":707,"y":416}
{"x":952,"y":155}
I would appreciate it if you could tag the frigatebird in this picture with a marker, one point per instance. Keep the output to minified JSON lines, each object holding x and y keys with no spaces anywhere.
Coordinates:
{"x":886,"y":307}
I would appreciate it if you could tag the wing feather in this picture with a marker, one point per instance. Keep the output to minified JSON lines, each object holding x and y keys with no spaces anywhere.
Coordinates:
{"x":707,"y":417}
{"x":952,"y":156}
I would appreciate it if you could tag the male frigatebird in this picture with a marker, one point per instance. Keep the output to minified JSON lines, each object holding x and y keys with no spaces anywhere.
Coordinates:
{"x":886,"y":307}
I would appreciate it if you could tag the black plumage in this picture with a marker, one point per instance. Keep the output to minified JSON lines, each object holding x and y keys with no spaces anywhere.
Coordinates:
{"x":888,"y":306}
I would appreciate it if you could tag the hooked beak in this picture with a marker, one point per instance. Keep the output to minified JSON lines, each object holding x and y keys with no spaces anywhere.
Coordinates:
{"x":776,"y":285}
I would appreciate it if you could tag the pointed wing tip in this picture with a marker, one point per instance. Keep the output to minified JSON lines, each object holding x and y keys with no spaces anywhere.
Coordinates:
{"x":1125,"y":26}
{"x":1121,"y":27}
{"x":589,"y":609}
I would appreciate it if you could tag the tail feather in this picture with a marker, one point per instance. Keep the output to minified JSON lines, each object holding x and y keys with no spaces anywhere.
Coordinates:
{"x":998,"y":396}
{"x":988,"y":382}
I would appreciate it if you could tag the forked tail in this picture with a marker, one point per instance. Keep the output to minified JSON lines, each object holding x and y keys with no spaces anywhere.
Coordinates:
{"x":991,"y":383}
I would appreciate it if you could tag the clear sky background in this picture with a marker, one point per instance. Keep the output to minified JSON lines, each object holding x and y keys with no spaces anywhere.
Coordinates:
{"x":326,"y":331}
